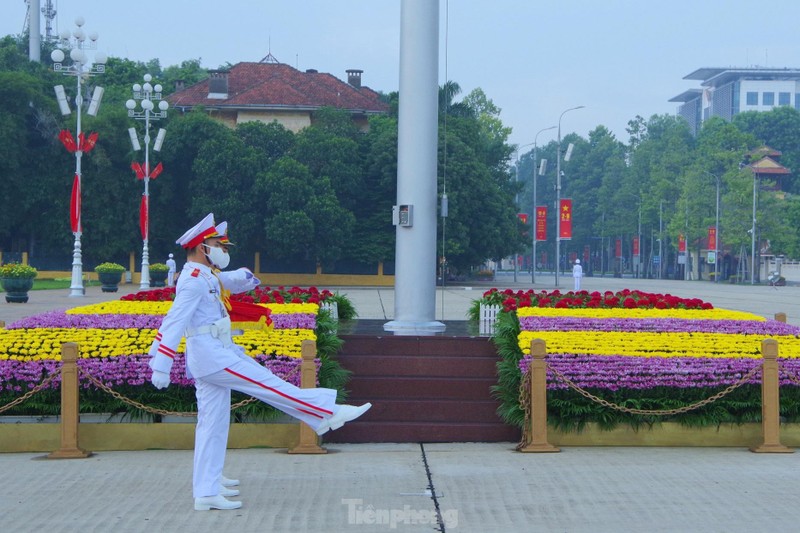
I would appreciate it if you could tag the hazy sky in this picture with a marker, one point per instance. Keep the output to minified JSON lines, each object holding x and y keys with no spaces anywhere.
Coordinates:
{"x":532,"y":58}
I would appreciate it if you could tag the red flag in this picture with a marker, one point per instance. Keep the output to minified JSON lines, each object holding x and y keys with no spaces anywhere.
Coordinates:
{"x":136,"y":167}
{"x":541,"y":223}
{"x":618,"y":248}
{"x":565,"y":212}
{"x":67,"y":140}
{"x":143,"y":217}
{"x":156,"y":171}
{"x":681,"y":244}
{"x":75,"y":205}
{"x":636,"y":246}
{"x":87,"y":143}
{"x":712,"y":238}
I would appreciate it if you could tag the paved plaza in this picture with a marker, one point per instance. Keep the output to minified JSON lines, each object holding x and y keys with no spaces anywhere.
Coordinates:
{"x":470,"y":487}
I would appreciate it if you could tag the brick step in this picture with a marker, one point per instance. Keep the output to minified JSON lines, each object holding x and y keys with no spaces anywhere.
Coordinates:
{"x":419,"y":365}
{"x":421,"y":388}
{"x":431,"y":411}
{"x":422,"y":432}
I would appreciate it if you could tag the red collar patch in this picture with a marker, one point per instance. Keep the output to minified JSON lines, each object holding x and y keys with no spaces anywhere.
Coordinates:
{"x":195,"y":272}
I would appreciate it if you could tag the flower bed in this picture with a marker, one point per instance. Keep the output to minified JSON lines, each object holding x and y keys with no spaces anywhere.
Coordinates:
{"x":115,"y":336}
{"x":647,"y":351}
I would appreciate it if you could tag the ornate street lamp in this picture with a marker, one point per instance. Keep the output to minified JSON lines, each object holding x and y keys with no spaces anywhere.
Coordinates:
{"x":82,"y":69}
{"x":558,"y":192}
{"x":146,"y":94}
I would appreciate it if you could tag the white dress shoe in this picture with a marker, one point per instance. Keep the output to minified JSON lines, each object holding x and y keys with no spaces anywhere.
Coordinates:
{"x":207,"y":503}
{"x":345,"y":413}
{"x":225,"y":491}
{"x":226,"y":482}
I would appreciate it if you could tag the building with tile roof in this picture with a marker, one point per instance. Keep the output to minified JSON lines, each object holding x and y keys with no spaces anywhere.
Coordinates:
{"x":269,"y":91}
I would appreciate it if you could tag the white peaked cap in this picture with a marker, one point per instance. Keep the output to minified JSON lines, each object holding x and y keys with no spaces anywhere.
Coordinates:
{"x":200,"y":232}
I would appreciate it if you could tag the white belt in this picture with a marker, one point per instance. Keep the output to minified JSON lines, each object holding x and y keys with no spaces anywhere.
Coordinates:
{"x":221,"y":329}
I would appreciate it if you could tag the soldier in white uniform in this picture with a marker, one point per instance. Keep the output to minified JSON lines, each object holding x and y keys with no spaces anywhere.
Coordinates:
{"x":577,"y":274}
{"x":171,"y":269}
{"x":219,"y":366}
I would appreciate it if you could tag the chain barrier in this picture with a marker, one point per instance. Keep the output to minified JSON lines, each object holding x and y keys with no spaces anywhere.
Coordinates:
{"x":525,"y":399}
{"x":525,"y":402}
{"x":133,"y":403}
{"x":657,"y":412}
{"x":792,"y":377}
{"x":163,"y":412}
{"x":45,"y":382}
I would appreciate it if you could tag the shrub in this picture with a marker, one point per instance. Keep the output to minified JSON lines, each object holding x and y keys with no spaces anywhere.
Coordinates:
{"x":17,"y":270}
{"x":109,"y":268}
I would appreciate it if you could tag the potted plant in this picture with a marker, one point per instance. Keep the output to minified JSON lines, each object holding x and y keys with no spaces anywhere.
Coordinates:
{"x":109,"y":274}
{"x":17,"y":280}
{"x":158,"y":274}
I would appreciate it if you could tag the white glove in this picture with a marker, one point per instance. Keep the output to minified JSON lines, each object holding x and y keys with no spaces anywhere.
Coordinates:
{"x":250,"y":278}
{"x":160,"y":380}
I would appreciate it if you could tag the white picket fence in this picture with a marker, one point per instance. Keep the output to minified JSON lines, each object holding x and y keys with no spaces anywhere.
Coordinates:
{"x":487,"y":319}
{"x":332,"y":308}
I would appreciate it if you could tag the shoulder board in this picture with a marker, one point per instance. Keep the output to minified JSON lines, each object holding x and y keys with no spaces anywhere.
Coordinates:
{"x":195,"y":272}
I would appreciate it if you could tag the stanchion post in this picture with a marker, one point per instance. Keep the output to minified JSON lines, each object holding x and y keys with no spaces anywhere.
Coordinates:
{"x":538,"y":377}
{"x":70,"y":406}
{"x":780,"y":317}
{"x":309,"y":441}
{"x":770,"y":401}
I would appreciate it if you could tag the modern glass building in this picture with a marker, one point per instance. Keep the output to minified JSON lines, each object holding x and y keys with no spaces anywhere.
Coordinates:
{"x":725,"y":92}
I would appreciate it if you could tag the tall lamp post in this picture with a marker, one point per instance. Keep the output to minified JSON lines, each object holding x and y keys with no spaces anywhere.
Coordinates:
{"x":146,"y":94}
{"x":558,"y":192}
{"x":516,"y":196}
{"x":753,"y":230}
{"x":716,"y":231}
{"x":82,"y":69}
{"x":536,"y":169}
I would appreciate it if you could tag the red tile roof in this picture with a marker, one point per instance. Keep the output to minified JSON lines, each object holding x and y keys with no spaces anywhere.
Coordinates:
{"x":280,"y":86}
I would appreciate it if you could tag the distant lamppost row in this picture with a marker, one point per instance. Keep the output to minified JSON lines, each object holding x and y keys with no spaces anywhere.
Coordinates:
{"x":558,"y":192}
{"x":82,"y":69}
{"x":536,"y":168}
{"x":146,"y":93}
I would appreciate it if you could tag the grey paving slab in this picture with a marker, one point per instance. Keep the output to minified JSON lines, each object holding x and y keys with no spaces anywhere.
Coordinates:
{"x":478,"y":487}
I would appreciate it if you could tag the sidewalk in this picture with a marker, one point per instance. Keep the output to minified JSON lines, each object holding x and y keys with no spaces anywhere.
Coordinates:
{"x":476,"y":487}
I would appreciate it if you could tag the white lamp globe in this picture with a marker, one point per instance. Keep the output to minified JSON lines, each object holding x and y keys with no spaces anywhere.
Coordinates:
{"x":131,"y":104}
{"x":148,"y":77}
{"x":57,"y":56}
{"x":163,"y":105}
{"x":137,"y":88}
{"x":79,"y":22}
{"x":93,"y":36}
{"x":64,"y":34}
{"x":147,"y":105}
{"x":158,"y":88}
{"x":77,"y":55}
{"x":147,"y":88}
{"x":101,"y":58}
{"x":79,"y":34}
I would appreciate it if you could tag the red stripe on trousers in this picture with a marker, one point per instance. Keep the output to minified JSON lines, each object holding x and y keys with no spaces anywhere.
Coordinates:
{"x":279,"y":393}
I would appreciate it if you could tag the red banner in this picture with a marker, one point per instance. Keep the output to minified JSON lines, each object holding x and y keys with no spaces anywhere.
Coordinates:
{"x":681,"y":244}
{"x":159,"y":168}
{"x":586,"y":254}
{"x":712,"y":238}
{"x":75,"y":206}
{"x":636,"y":246}
{"x":565,"y":212}
{"x":618,"y":248}
{"x":541,"y":223}
{"x":143,"y":222}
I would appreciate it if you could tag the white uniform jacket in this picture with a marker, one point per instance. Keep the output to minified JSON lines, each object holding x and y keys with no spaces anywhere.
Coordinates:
{"x":198,"y":305}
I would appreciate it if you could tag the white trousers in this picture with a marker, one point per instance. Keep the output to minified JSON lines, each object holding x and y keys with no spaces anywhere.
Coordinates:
{"x":213,"y":392}
{"x":577,"y":283}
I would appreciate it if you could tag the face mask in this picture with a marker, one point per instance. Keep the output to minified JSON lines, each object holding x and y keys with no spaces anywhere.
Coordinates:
{"x":218,"y":257}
